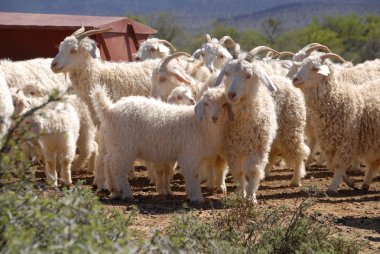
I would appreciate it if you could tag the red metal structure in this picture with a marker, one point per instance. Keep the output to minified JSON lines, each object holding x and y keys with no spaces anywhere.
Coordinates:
{"x":26,"y":35}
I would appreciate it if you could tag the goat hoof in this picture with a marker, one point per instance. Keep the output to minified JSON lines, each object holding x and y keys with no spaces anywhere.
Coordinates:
{"x":221,"y":190}
{"x":114,"y":195}
{"x":295,"y":184}
{"x":252,"y":200}
{"x":332,"y":193}
{"x":365,"y":186}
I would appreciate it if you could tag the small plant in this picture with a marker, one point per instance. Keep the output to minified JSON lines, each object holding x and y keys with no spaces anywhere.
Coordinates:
{"x":246,"y":228}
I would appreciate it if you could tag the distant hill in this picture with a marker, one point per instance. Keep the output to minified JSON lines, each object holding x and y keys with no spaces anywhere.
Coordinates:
{"x":197,"y":14}
{"x":300,"y":14}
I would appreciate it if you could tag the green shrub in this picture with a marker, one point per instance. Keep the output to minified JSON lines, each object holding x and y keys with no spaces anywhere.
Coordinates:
{"x":71,"y":221}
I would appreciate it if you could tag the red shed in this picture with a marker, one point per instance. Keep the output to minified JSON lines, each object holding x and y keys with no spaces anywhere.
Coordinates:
{"x":26,"y":35}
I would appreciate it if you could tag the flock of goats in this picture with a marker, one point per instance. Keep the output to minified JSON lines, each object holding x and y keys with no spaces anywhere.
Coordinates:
{"x":210,"y":113}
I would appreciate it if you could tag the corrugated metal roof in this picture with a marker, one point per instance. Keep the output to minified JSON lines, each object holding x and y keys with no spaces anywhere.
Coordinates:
{"x":16,"y":20}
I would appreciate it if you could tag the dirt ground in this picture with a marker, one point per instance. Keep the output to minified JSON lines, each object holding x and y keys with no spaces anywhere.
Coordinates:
{"x":351,"y":211}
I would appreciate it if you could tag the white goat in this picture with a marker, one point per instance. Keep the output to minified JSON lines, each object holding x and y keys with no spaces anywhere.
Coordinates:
{"x":86,"y":143}
{"x":345,"y":118}
{"x":75,"y":57}
{"x":291,"y":116}
{"x":57,"y":128}
{"x":159,"y":132}
{"x":214,"y":52}
{"x":248,"y":138}
{"x":35,"y":74}
{"x":167,"y":77}
{"x":153,"y":48}
{"x":6,"y":106}
{"x":181,"y":95}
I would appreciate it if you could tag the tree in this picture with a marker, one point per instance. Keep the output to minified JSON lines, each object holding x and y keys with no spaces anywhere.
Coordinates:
{"x":272,"y":28}
{"x":167,"y":25}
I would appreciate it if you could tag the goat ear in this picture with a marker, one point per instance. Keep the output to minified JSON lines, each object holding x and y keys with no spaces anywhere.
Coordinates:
{"x":163,"y":49}
{"x":199,"y":110}
{"x":231,"y":115}
{"x":180,"y":76}
{"x":324,"y":70}
{"x":267,"y":81}
{"x":94,"y":51}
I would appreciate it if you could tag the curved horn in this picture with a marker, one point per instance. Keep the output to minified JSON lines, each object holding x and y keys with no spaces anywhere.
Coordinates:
{"x":334,"y":56}
{"x":79,"y":31}
{"x":171,"y":57}
{"x":92,"y":32}
{"x":166,"y":43}
{"x":227,"y":42}
{"x":285,"y":53}
{"x":270,"y":54}
{"x":317,"y":47}
{"x":208,"y":38}
{"x":220,"y":76}
{"x":251,"y":54}
{"x":197,"y":53}
{"x":236,"y":51}
{"x":309,"y":45}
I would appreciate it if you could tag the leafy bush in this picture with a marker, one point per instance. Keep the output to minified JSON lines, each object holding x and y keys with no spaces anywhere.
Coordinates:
{"x":35,"y":218}
{"x":71,"y":221}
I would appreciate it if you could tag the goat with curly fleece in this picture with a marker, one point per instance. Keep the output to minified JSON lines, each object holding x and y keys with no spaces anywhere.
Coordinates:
{"x":248,"y":138}
{"x":158,"y":132}
{"x":346,"y":118}
{"x":76,"y":57}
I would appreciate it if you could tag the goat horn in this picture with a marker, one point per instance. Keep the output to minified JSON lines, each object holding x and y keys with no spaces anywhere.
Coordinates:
{"x":92,"y":32}
{"x":310,"y":45}
{"x":271,"y":54}
{"x":166,"y":43}
{"x":236,"y":51}
{"x":317,"y":47}
{"x":334,"y":56}
{"x":285,"y":53}
{"x":227,"y":42}
{"x":171,"y":57}
{"x":79,"y":31}
{"x":197,"y":53}
{"x":208,"y":38}
{"x":251,"y":54}
{"x":220,"y":76}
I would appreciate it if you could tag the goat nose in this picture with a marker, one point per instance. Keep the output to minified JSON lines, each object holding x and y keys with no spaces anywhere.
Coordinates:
{"x":295,"y":80}
{"x":231,"y":95}
{"x":192,"y":101}
{"x":53,"y":64}
{"x":214,"y":118}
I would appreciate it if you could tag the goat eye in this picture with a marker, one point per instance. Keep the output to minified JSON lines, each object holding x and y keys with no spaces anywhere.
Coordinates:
{"x":221,"y":56}
{"x":73,"y":50}
{"x":248,"y":76}
{"x":314,"y":68}
{"x":162,"y":79}
{"x":152,"y":49}
{"x":206,"y":104}
{"x":179,"y":97}
{"x":227,"y":74}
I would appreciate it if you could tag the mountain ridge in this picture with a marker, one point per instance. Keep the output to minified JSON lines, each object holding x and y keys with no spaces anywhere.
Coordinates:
{"x":198,"y":14}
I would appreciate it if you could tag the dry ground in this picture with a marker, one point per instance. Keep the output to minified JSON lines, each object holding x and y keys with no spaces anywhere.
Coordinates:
{"x":351,"y":211}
